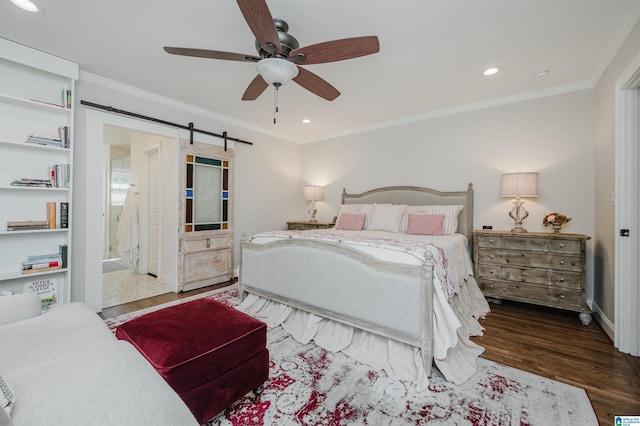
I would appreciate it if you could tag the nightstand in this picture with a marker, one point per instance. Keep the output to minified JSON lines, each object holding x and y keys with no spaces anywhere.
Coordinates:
{"x":302,"y":225}
{"x":535,"y":267}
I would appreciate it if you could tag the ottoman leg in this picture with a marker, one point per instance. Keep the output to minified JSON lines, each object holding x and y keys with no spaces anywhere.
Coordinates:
{"x":257,"y":393}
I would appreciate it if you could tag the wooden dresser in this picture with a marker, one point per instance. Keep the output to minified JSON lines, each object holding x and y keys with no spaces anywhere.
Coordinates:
{"x":541,"y":268}
{"x":302,"y":225}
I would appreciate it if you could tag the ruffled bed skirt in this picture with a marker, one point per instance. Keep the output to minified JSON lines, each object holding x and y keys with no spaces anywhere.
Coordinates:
{"x":453,"y":352}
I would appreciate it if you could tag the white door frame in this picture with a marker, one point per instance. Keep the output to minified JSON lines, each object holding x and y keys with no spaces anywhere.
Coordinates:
{"x":88,"y":243}
{"x":627,"y":213}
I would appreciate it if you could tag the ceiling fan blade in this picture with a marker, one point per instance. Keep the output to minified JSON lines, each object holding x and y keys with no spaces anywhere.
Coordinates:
{"x":258,"y":16}
{"x":255,"y":89}
{"x":316,"y":85}
{"x":211,"y":54}
{"x":337,"y":50}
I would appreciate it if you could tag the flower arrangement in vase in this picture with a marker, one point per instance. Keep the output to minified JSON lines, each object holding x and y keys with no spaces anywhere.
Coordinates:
{"x":555,"y":220}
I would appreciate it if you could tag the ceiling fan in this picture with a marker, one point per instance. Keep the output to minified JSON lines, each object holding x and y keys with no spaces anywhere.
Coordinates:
{"x":280,"y":58}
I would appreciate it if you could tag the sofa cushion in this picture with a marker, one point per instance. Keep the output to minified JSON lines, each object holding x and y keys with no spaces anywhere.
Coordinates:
{"x":58,"y":333}
{"x":109,"y":384}
{"x":19,"y":307}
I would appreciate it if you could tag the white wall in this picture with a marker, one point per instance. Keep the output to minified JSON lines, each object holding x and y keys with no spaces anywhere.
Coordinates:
{"x":552,"y":135}
{"x":266,"y":174}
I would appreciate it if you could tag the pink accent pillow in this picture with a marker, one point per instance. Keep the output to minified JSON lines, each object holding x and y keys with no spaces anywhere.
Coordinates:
{"x":425,"y":224}
{"x":351,"y":221}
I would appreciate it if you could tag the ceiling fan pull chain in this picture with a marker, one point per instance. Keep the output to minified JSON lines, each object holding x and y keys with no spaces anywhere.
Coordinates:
{"x":275,"y":101}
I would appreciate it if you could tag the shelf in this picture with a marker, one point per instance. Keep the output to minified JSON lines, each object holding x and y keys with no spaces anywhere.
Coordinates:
{"x":34,"y":231}
{"x":32,"y":103}
{"x":32,"y":188}
{"x":16,"y":275}
{"x":27,"y":145}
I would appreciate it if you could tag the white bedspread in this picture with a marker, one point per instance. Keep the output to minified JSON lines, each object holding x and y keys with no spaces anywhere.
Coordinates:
{"x":458,"y":304}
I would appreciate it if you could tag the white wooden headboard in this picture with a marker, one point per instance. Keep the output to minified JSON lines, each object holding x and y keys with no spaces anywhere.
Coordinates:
{"x":419,"y":196}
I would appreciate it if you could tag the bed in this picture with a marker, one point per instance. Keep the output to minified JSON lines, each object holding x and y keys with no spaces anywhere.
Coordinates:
{"x":386,"y":295}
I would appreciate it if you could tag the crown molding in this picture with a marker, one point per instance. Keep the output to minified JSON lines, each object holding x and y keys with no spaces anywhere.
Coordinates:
{"x":473,"y":106}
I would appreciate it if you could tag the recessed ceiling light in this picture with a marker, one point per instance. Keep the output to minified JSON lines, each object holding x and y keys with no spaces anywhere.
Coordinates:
{"x":28,"y":5}
{"x":490,"y":71}
{"x":306,"y":120}
{"x":541,"y":74}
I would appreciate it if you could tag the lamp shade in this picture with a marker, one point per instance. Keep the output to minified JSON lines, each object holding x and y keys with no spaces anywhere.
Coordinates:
{"x":313,"y":193}
{"x":519,"y":185}
{"x":276,"y":70}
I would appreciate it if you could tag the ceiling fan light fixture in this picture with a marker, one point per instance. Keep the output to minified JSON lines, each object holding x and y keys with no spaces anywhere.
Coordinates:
{"x":276,"y":70}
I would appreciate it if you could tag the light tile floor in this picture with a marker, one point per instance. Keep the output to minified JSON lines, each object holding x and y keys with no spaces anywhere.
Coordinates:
{"x":126,"y":286}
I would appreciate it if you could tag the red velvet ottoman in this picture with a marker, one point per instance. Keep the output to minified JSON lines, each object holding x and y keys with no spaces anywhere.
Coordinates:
{"x":209,"y":353}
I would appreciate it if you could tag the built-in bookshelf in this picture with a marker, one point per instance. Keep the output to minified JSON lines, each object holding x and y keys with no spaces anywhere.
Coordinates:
{"x":36,"y":169}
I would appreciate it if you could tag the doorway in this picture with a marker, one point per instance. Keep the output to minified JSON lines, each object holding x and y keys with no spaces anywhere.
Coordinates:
{"x":132,"y":174}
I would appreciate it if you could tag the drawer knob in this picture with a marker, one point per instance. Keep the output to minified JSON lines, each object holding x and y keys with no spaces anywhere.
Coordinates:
{"x":562,"y":296}
{"x":491,"y":271}
{"x":561,"y":245}
{"x":208,"y":243}
{"x":561,"y":280}
{"x":490,"y":285}
{"x":490,"y":241}
{"x":491,"y":257}
{"x":562,"y":262}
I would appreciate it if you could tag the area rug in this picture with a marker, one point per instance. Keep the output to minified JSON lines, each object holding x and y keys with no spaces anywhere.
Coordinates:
{"x":310,"y":386}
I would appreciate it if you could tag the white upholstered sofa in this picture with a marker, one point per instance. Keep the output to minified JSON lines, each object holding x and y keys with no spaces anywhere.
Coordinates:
{"x":65,"y":367}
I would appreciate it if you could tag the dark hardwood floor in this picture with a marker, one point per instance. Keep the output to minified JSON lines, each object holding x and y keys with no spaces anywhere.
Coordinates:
{"x":542,"y":341}
{"x":555,"y":344}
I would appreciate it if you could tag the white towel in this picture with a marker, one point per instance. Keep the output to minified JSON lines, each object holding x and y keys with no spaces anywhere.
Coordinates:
{"x":128,"y":246}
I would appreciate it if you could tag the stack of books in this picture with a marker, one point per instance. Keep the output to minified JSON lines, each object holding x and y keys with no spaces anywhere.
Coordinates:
{"x":41,"y":263}
{"x":62,"y":141}
{"x":28,"y":225}
{"x":29,"y":182}
{"x":44,"y":140}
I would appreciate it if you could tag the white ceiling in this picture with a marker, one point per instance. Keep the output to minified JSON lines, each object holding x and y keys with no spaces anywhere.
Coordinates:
{"x":432,"y":53}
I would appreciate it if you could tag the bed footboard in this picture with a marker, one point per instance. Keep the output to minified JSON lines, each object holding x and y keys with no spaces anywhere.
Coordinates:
{"x":345,"y":285}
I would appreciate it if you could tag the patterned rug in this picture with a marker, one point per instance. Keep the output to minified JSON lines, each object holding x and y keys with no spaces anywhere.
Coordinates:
{"x":311,"y":386}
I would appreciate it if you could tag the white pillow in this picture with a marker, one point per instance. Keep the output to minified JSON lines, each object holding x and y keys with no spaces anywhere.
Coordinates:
{"x":450,"y":214}
{"x":386,"y":217}
{"x":356,"y":209}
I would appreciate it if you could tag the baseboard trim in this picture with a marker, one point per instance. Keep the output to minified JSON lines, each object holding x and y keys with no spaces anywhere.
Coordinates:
{"x":604,"y":322}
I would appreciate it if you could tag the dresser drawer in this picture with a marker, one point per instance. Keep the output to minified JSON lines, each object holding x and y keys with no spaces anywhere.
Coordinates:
{"x":531,"y":259}
{"x":557,"y":279}
{"x":547,"y":296}
{"x":538,"y":244}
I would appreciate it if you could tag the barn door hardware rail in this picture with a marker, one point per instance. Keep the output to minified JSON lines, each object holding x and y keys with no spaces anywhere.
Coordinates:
{"x":189,"y":127}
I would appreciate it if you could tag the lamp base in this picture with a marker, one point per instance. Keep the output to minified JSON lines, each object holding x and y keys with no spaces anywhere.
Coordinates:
{"x":518,"y":214}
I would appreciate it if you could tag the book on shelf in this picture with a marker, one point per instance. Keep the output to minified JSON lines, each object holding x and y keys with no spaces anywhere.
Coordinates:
{"x":63,"y":255}
{"x":37,"y":270}
{"x":41,"y":265}
{"x":43,"y":258}
{"x":46,"y":288}
{"x":64,"y":135}
{"x":44,"y":140}
{"x":32,"y":183}
{"x":51,"y":214}
{"x":60,"y":175}
{"x":27,"y":225}
{"x":64,"y":215}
